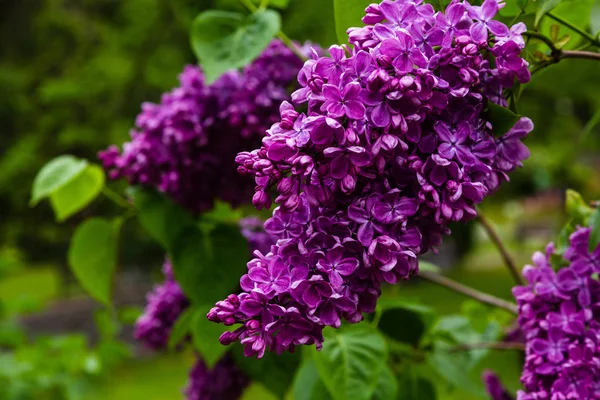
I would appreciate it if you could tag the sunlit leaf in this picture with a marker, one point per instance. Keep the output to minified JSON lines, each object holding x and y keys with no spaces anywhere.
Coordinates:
{"x":76,"y":194}
{"x":54,"y":175}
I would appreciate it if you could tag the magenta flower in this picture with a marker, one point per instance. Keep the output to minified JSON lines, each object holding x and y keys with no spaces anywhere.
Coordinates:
{"x":484,"y":14}
{"x":345,"y":102}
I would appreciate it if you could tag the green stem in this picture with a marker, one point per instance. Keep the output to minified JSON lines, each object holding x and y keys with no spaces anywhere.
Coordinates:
{"x":482,"y":297}
{"x":377,"y":317}
{"x":541,"y":37}
{"x":115,"y":198}
{"x":580,"y":31}
{"x":264,"y":4}
{"x":495,"y":238}
{"x":248,"y":4}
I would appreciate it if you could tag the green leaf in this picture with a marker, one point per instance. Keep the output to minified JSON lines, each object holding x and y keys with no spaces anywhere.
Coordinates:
{"x":405,"y":320}
{"x":577,"y":208}
{"x":54,"y":175}
{"x":257,"y":391}
{"x":414,"y":387}
{"x":205,"y":335}
{"x":387,"y":385}
{"x":562,"y":243}
{"x":351,"y":360}
{"x":544,"y":6}
{"x":522,"y":4}
{"x":182,"y":327}
{"x":348,"y":14}
{"x":502,"y":118}
{"x":163,"y":219}
{"x":275,"y":372}
{"x":76,"y":194}
{"x":92,"y":257}
{"x":208,"y":265}
{"x":308,"y":384}
{"x":595,"y":18}
{"x":454,"y":367}
{"x":595,"y":234}
{"x":427,"y":266}
{"x":226,"y":40}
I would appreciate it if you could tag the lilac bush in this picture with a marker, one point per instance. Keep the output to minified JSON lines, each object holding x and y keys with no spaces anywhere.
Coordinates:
{"x":394,"y":144}
{"x":559,"y":316}
{"x":185,"y":146}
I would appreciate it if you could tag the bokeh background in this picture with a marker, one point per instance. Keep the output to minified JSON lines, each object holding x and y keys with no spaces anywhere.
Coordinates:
{"x":73,"y":74}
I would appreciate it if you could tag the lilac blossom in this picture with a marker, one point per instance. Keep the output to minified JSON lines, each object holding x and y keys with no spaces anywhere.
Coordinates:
{"x":558,"y":315}
{"x":165,"y":303}
{"x":385,"y":144}
{"x":185,"y":146}
{"x":225,"y":381}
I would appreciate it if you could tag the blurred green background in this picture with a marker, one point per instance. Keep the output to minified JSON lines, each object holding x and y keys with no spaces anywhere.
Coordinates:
{"x":73,"y":74}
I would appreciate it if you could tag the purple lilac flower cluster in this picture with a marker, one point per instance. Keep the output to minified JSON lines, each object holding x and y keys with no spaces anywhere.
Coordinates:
{"x":225,"y":381}
{"x":185,"y":146}
{"x":165,"y":303}
{"x":559,"y":314}
{"x":394,"y":145}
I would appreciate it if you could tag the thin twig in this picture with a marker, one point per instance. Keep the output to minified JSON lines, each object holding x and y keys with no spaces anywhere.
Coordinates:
{"x":491,"y":345}
{"x":116,"y":198}
{"x":482,"y":297}
{"x":580,"y":54}
{"x":541,"y":37}
{"x":569,"y":25}
{"x":495,"y":238}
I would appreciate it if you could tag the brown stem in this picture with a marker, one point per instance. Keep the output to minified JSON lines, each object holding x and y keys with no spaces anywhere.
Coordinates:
{"x":495,"y":238}
{"x":493,"y":346}
{"x":580,"y":54}
{"x":482,"y":297}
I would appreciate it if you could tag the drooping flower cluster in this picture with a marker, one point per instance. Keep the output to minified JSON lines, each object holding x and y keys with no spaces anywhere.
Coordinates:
{"x":165,"y":303}
{"x":495,"y":388}
{"x":394,"y":145}
{"x":186,"y":145}
{"x":560,"y":316}
{"x":225,"y":381}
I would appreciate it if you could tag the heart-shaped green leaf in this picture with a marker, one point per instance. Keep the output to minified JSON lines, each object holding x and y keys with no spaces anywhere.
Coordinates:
{"x":226,"y":40}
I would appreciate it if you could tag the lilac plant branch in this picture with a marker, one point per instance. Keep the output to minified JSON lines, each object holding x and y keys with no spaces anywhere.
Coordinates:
{"x":482,"y":297}
{"x":580,"y":54}
{"x":490,"y":345}
{"x":115,"y":197}
{"x":495,"y":238}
